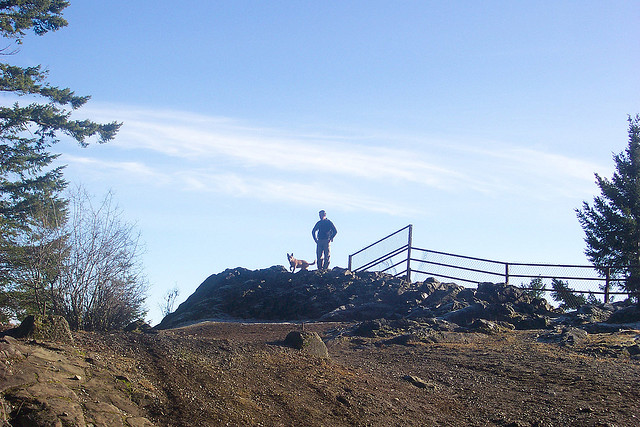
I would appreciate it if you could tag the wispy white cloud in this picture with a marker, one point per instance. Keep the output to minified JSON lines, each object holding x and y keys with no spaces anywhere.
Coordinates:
{"x":307,"y":194}
{"x":509,"y":168}
{"x":294,"y":155}
{"x":239,"y":185}
{"x":201,"y":153}
{"x":197,"y":139}
{"x":129,"y":168}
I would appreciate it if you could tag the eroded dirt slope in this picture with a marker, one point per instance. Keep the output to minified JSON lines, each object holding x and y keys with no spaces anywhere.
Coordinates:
{"x":240,"y":374}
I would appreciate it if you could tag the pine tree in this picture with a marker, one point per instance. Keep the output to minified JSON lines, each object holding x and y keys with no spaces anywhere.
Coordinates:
{"x":535,"y":289}
{"x":564,"y":294}
{"x":31,"y":204}
{"x":612,"y":224}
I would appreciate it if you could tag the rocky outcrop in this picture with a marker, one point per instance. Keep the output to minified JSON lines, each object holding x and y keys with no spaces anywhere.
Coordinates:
{"x":503,"y":303}
{"x":629,"y":314}
{"x":45,"y":385}
{"x":275,"y":294}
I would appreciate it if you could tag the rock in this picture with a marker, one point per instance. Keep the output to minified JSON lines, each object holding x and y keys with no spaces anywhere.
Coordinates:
{"x":406,"y":332}
{"x":43,"y":404}
{"x":594,"y":314}
{"x":384,"y":327}
{"x":343,"y":400}
{"x":439,"y":294}
{"x":405,"y":339}
{"x":630,"y":314}
{"x":310,"y":342}
{"x":9,"y":348}
{"x":369,"y":311}
{"x":419,"y":382}
{"x":137,"y":326}
{"x":501,"y":293}
{"x":466,"y":315}
{"x":276,"y":294}
{"x":371,"y":328}
{"x":633,"y":350}
{"x":43,"y":328}
{"x":603,"y":328}
{"x":566,"y":335}
{"x":440,"y":325}
{"x":488,"y":327}
{"x":420,"y":313}
{"x":574,"y":336}
{"x":535,"y":321}
{"x":338,"y":314}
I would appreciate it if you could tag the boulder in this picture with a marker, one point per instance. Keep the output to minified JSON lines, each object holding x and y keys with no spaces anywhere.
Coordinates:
{"x":138,"y":326}
{"x":439,"y":294}
{"x":375,"y":328}
{"x":630,"y":314}
{"x":43,"y":328}
{"x":309,"y":342}
{"x":466,"y":315}
{"x":594,"y":313}
{"x":535,"y":321}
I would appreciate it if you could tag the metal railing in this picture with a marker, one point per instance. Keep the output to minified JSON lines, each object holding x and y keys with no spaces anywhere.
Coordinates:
{"x":583,"y":279}
{"x":418,"y":264}
{"x":375,"y":257}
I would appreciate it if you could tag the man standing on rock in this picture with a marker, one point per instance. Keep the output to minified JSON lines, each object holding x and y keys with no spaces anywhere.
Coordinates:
{"x":323,"y":233}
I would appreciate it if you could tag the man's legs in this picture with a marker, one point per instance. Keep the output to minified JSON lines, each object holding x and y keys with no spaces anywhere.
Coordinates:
{"x":327,"y":255}
{"x":322,"y":249}
{"x":319,"y":255}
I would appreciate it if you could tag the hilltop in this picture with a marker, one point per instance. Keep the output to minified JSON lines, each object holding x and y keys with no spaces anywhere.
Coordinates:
{"x":440,"y":354}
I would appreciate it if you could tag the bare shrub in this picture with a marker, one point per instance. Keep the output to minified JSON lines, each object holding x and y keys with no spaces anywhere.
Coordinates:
{"x":102,"y":285}
{"x":167,"y":304}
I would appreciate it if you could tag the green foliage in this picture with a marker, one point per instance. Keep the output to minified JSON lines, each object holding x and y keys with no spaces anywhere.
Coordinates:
{"x":592,"y":299}
{"x":564,"y":294}
{"x":612,"y":223}
{"x":536,"y":288}
{"x":32,"y":80}
{"x":33,"y":211}
{"x":17,"y":16}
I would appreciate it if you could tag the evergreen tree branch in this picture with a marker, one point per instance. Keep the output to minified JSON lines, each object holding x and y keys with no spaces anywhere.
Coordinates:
{"x":17,"y":16}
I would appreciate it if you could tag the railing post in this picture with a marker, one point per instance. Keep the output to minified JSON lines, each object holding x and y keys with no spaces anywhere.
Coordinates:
{"x":349,"y":268}
{"x":607,"y":284}
{"x":409,"y":244}
{"x":506,"y":273}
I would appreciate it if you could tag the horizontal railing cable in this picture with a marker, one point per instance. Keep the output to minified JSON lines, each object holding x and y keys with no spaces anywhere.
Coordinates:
{"x":477,"y":270}
{"x":456,"y":267}
{"x":382,"y":259}
{"x":377,"y":242}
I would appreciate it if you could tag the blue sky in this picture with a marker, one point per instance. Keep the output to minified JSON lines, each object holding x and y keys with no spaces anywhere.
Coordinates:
{"x":481,"y":123}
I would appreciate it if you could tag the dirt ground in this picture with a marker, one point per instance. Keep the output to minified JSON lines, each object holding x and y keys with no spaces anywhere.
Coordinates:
{"x":213,"y":374}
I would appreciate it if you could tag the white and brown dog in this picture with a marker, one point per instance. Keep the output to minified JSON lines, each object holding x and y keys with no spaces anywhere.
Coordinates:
{"x":298,"y":263}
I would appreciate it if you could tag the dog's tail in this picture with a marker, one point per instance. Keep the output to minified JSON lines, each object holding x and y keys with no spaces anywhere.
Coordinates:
{"x":311,"y":263}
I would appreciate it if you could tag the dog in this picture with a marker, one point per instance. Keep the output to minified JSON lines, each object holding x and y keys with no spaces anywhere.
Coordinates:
{"x":298,"y":263}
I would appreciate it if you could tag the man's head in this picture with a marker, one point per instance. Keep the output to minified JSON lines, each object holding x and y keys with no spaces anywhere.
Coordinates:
{"x":322,"y":214}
